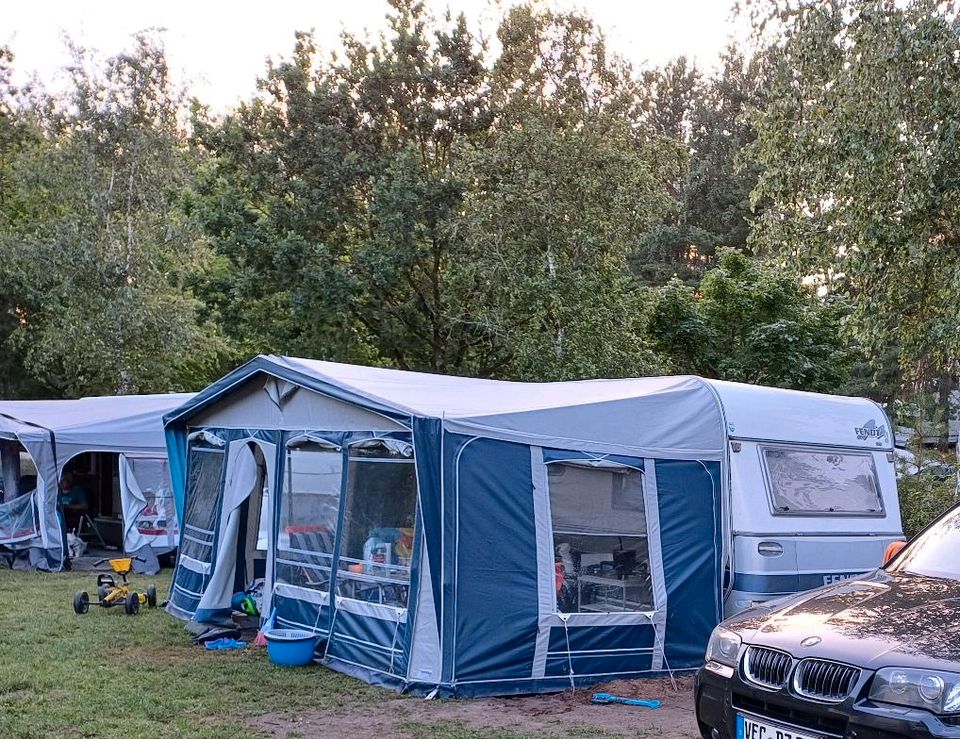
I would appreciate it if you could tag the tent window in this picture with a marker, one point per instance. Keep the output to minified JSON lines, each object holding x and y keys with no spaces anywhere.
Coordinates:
{"x":377,"y":539}
{"x":18,"y":520}
{"x":205,"y":467}
{"x":157,"y":519}
{"x":18,"y":473}
{"x":308,"y":516}
{"x":602,"y":561}
{"x":824,"y":482}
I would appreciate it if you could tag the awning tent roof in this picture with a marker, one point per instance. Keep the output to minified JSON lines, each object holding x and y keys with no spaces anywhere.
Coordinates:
{"x":128,"y":423}
{"x":674,"y":416}
{"x":670,"y":416}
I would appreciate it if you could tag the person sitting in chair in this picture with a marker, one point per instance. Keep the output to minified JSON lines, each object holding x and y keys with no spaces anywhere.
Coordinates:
{"x":73,"y":501}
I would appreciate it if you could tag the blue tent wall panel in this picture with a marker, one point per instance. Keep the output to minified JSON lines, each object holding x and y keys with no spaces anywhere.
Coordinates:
{"x":690,"y":531}
{"x":186,"y":590}
{"x":596,"y":650}
{"x":293,"y":613}
{"x":427,"y":442}
{"x":496,"y":580}
{"x":369,"y":641}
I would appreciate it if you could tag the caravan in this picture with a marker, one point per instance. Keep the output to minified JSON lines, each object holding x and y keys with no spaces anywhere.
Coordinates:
{"x":812,"y":490}
{"x":475,"y":537}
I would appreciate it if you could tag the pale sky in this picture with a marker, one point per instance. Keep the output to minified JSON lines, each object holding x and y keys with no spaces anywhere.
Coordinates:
{"x":219,"y":48}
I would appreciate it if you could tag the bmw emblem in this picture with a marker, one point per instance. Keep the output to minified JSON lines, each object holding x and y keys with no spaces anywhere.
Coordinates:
{"x":810,"y":641}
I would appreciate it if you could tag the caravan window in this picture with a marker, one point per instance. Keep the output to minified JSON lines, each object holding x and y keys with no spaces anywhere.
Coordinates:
{"x":308,"y":516}
{"x":828,"y":481}
{"x":205,"y":468}
{"x":377,"y":540}
{"x":602,"y":561}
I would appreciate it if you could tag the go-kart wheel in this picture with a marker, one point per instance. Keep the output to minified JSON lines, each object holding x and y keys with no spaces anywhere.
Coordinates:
{"x":132,"y":606}
{"x":152,"y":596}
{"x":102,"y":594}
{"x":81,"y":603}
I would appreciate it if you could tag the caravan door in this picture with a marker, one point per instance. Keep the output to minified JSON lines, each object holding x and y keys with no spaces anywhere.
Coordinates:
{"x":807,"y":516}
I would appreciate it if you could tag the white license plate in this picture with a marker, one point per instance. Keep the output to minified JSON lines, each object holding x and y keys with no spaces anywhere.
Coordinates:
{"x":749,"y":727}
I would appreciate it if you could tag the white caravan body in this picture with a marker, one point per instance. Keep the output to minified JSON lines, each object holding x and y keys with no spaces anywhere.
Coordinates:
{"x":811,"y":490}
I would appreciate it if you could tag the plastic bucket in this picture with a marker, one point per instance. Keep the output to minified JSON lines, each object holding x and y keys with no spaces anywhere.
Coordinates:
{"x":290,"y":647}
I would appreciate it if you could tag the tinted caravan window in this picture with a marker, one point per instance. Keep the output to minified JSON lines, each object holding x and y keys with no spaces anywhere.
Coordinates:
{"x":824,"y":482}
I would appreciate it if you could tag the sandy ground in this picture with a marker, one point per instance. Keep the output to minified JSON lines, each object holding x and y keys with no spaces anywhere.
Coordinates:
{"x":552,"y":715}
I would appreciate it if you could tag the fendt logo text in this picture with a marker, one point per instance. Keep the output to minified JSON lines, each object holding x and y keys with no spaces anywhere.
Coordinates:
{"x":870,"y":430}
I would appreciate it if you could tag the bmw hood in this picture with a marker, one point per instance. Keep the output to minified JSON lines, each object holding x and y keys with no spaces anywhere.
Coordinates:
{"x":881,"y":619}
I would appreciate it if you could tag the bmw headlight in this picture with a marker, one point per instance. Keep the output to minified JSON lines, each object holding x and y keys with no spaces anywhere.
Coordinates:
{"x":723,"y":647}
{"x":931,"y":690}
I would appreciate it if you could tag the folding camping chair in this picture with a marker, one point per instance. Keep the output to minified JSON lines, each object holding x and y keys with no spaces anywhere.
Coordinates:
{"x":85,"y":521}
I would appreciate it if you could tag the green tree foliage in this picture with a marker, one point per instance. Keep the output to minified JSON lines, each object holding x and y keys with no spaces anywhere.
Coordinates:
{"x":16,"y":132}
{"x":859,"y":153}
{"x":547,"y":227}
{"x":748,"y":321}
{"x":712,"y":207}
{"x":412,"y":205}
{"x":328,"y":198}
{"x":925,"y":485}
{"x":96,"y":253}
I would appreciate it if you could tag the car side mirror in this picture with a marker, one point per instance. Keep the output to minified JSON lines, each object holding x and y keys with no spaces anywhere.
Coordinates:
{"x":893,"y":549}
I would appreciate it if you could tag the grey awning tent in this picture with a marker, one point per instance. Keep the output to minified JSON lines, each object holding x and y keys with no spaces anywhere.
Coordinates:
{"x":55,"y":431}
{"x":404,"y":514}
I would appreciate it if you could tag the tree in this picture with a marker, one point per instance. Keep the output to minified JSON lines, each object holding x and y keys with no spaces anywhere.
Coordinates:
{"x":98,"y":255}
{"x":334,"y":190}
{"x":547,"y":229}
{"x":355,"y":204}
{"x":712,"y":196}
{"x":19,"y":131}
{"x":749,"y":322}
{"x":859,"y":153}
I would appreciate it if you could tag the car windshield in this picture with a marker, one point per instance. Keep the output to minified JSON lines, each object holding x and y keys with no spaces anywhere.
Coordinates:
{"x":934,"y":552}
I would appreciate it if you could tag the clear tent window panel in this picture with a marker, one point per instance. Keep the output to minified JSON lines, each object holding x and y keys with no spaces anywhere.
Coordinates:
{"x":18,"y":520}
{"x":157,"y":519}
{"x":309,"y":510}
{"x":822,"y":482}
{"x":377,"y":539}
{"x":205,"y":471}
{"x":601,"y":552}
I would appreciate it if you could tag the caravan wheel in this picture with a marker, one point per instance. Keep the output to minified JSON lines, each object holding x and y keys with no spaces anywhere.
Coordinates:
{"x":152,"y":596}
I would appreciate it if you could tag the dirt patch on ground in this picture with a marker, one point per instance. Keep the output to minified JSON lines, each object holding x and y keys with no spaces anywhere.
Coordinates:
{"x":552,"y":715}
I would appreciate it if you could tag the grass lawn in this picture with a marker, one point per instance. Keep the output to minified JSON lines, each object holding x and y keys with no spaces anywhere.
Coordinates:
{"x":109,"y":674}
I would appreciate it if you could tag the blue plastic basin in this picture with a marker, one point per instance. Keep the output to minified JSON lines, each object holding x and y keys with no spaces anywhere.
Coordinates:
{"x":290,"y":647}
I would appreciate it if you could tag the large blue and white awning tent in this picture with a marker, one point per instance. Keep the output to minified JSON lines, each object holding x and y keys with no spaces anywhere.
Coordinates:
{"x":460,"y":535}
{"x":53,"y":432}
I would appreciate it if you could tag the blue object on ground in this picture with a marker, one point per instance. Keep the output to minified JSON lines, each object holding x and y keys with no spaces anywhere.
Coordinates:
{"x":224,"y":644}
{"x":290,"y":647}
{"x":607,"y":698}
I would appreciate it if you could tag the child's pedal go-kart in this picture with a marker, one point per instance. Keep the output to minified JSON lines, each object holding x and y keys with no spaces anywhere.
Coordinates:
{"x":112,"y":593}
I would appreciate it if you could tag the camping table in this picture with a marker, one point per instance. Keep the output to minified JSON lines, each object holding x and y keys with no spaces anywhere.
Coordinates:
{"x":612,"y":594}
{"x":356,"y":584}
